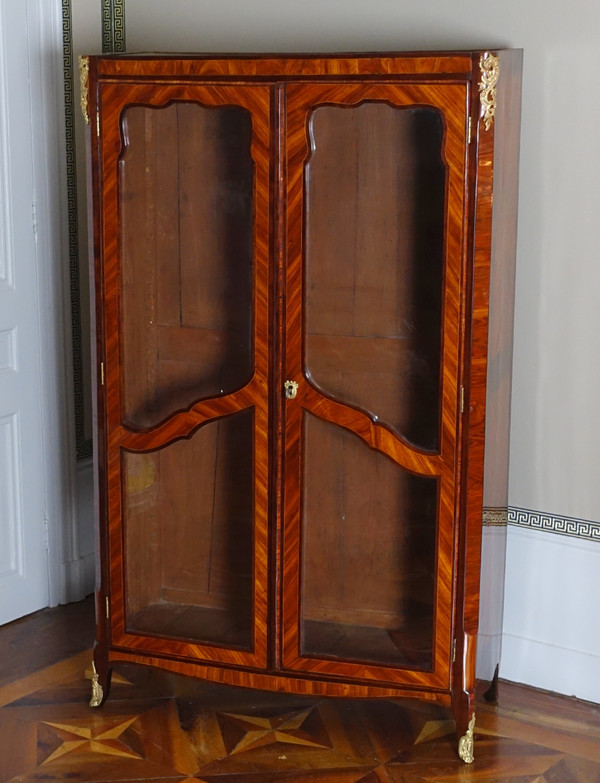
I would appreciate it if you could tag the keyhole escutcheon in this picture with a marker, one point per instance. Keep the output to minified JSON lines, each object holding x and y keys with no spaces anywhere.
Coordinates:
{"x":291,"y":389}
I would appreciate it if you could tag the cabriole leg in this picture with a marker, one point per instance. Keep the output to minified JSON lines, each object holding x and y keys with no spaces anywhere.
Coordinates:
{"x":465,"y":743}
{"x":100,"y":684}
{"x":97,"y":689}
{"x":463,"y":697}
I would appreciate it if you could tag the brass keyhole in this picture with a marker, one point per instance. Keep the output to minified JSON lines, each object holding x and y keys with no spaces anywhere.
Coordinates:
{"x":291,"y":389}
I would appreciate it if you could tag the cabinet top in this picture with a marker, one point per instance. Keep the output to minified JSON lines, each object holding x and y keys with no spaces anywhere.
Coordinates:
{"x":284,"y":66}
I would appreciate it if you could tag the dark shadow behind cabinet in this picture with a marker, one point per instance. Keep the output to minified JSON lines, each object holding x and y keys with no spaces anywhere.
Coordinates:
{"x":292,"y":291}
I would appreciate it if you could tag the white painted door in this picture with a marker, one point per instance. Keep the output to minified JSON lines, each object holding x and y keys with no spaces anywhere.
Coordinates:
{"x":23,"y":548}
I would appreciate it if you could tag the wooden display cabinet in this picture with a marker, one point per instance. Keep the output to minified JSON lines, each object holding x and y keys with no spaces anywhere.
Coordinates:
{"x":292,"y":286}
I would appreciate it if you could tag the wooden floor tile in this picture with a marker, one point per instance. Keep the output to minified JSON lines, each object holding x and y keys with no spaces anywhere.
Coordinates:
{"x":44,"y":638}
{"x":168,"y":729}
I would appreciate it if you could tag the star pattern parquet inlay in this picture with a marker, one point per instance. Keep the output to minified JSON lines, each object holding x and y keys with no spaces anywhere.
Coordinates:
{"x":103,"y":739}
{"x":163,"y":728}
{"x":299,"y":727}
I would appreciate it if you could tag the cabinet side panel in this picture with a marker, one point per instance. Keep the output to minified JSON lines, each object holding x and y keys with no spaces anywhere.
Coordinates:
{"x":499,"y":374}
{"x":469,"y":550}
{"x":502,"y":281}
{"x":494,"y":235}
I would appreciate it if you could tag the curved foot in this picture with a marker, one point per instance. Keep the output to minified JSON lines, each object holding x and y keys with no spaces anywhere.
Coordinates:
{"x":97,"y":690}
{"x":465,"y":743}
{"x":100,"y":684}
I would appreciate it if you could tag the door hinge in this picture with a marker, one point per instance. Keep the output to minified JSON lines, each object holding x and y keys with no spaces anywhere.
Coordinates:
{"x":107,"y":608}
{"x":462,"y":399}
{"x":46,"y":535}
{"x":454,"y":651}
{"x":469,"y":130}
{"x":101,"y":373}
{"x":98,"y":122}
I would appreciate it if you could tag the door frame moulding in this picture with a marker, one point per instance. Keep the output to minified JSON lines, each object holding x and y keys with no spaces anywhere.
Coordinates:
{"x":47,"y":129}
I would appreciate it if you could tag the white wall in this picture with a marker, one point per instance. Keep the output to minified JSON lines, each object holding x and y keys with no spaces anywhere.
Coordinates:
{"x":552,"y":617}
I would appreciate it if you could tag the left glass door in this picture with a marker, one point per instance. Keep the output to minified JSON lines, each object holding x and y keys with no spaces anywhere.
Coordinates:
{"x":185,"y":175}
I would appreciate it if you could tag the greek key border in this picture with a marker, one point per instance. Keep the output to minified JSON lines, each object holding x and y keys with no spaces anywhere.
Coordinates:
{"x":83,"y":445}
{"x":584,"y":529}
{"x":113,"y":26}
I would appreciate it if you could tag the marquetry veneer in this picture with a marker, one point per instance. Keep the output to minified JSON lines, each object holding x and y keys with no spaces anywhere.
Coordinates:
{"x":292,"y":296}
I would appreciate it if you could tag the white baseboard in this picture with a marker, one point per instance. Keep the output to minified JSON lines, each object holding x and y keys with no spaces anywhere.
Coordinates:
{"x":77,"y":571}
{"x":551,"y":633}
{"x":491,"y":607}
{"x":78,"y":579}
{"x":557,"y":669}
{"x":489,"y":648}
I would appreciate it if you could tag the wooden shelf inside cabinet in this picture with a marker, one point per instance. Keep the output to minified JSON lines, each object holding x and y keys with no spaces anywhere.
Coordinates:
{"x":292,"y":262}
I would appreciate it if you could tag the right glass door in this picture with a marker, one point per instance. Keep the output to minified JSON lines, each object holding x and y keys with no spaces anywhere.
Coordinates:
{"x":375,"y":241}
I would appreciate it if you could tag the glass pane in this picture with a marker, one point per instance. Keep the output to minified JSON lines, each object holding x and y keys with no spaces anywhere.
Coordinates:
{"x":366,"y":596}
{"x":375,"y":191}
{"x":188,"y":521}
{"x":186,"y":202}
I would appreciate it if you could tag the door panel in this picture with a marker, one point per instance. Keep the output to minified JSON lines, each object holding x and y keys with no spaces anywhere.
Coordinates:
{"x":186,"y":175}
{"x":376,"y":179}
{"x":365,"y":596}
{"x":374,"y":263}
{"x":191,"y":507}
{"x":25,"y":262}
{"x":185,"y":184}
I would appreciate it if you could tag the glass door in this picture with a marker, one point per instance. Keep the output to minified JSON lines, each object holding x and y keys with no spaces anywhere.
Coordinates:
{"x":375,"y":246}
{"x":186,"y":176}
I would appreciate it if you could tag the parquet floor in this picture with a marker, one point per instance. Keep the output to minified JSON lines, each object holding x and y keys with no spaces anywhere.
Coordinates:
{"x":163,"y":728}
